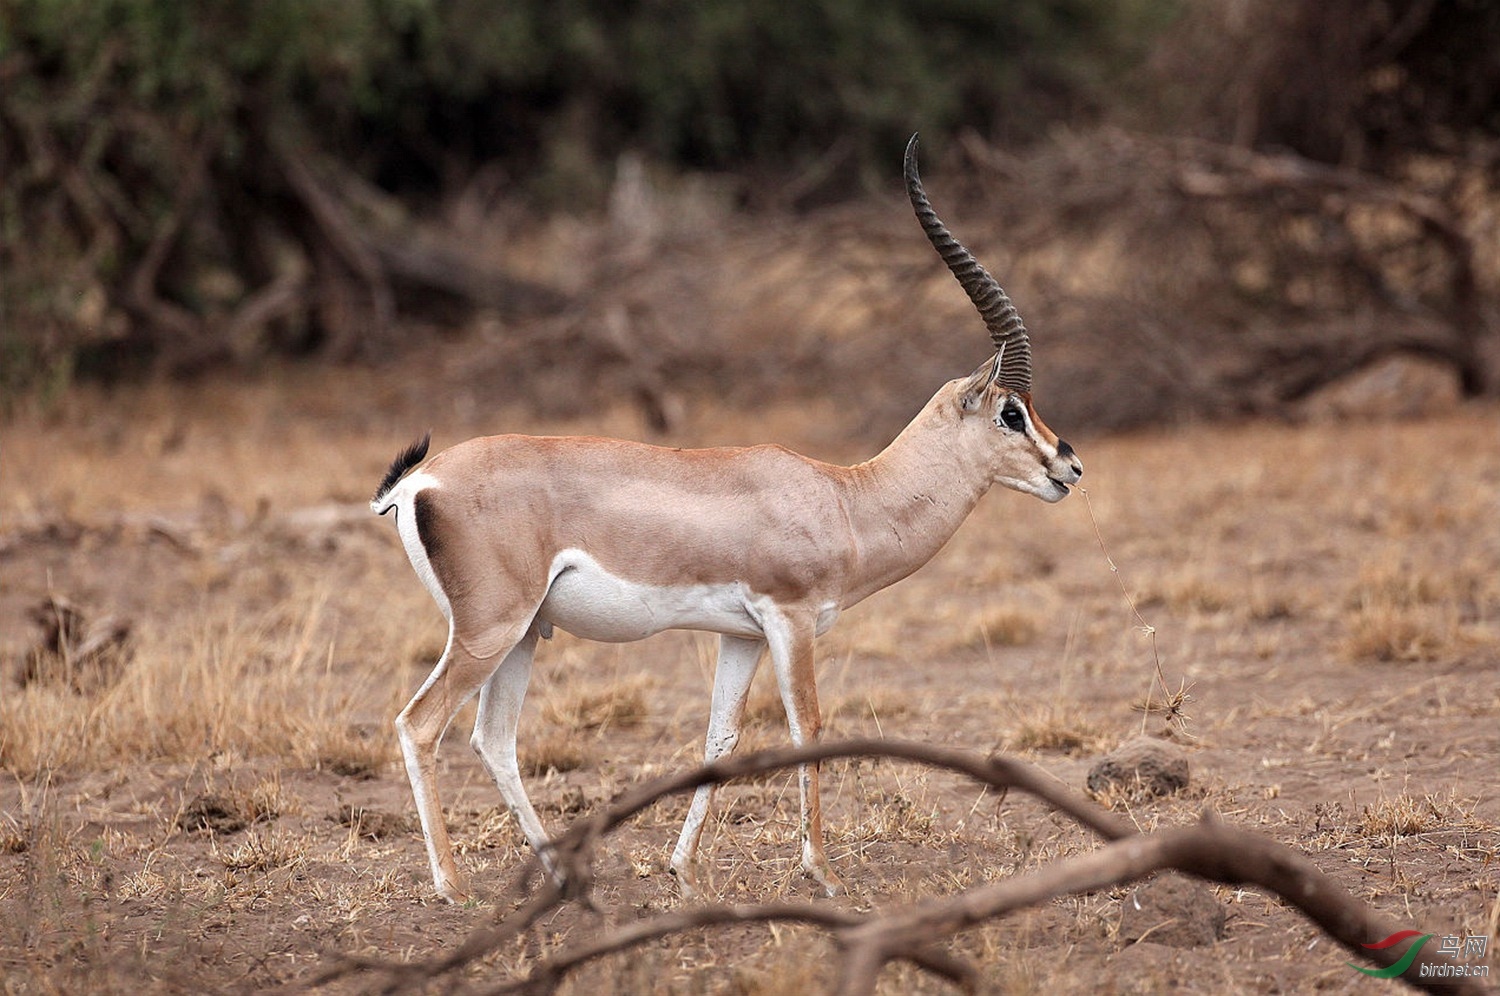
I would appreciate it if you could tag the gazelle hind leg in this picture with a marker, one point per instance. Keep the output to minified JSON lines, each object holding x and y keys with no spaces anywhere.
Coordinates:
{"x":420,"y":727}
{"x":735,"y":669}
{"x":494,"y":739}
{"x":792,"y":657}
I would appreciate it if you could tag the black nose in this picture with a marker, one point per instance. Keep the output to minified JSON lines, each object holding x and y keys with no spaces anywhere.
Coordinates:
{"x":1065,"y":452}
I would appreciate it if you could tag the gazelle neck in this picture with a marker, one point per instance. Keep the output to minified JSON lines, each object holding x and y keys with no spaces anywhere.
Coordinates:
{"x":908,"y":501}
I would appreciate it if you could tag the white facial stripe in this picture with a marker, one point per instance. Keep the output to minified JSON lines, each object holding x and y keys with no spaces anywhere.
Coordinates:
{"x":1049,"y":451}
{"x":1011,"y":415}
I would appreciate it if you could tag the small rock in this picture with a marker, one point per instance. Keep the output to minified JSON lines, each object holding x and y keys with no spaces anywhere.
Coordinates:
{"x":1140,"y":768}
{"x":212,"y":812}
{"x":373,"y":823}
{"x":1174,"y":910}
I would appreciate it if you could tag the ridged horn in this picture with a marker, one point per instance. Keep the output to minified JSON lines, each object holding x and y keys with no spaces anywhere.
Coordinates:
{"x":1007,"y":331}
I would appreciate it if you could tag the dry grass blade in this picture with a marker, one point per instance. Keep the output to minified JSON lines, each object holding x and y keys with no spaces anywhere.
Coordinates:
{"x":1174,"y":701}
{"x":623,"y":703}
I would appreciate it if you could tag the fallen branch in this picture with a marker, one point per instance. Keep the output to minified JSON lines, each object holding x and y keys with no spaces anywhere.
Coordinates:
{"x":432,"y":268}
{"x":867,"y":943}
{"x":1208,"y":850}
{"x":73,"y":650}
{"x":344,"y":251}
{"x":178,"y":327}
{"x":550,"y":973}
{"x":282,"y":296}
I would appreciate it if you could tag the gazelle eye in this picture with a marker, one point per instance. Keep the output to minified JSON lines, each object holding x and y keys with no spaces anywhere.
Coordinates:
{"x":1013,"y":419}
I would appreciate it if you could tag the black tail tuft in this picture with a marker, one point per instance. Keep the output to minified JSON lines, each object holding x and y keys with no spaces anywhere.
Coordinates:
{"x":408,"y":458}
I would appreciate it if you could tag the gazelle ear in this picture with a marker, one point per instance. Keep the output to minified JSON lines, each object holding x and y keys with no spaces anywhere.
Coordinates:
{"x":979,"y":381}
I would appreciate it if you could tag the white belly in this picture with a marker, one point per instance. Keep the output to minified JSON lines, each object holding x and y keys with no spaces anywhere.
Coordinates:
{"x":588,"y":601}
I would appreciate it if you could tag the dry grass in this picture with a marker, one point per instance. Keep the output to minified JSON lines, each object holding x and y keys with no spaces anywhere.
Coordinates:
{"x":223,"y":686}
{"x":234,"y":809}
{"x":997,"y":627}
{"x":1286,"y":571}
{"x":262,"y":851}
{"x":1187,"y":590}
{"x":620,"y":704}
{"x":1384,"y":633}
{"x":903,"y":814}
{"x":864,"y":632}
{"x":554,"y":751}
{"x":763,"y":708}
{"x":1402,"y":816}
{"x":1401,"y":611}
{"x":1055,"y":731}
{"x":1401,"y":833}
{"x":14,"y":838}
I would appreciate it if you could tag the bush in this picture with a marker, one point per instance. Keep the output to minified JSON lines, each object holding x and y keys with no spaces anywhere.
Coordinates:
{"x":168,"y":168}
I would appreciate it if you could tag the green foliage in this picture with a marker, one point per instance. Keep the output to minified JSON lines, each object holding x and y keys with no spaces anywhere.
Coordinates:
{"x":723,"y":84}
{"x":203,"y":59}
{"x":709,"y":83}
{"x":123,"y":122}
{"x":137,"y":127}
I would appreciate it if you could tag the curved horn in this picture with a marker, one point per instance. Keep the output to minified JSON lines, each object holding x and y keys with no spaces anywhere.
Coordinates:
{"x":1007,"y":331}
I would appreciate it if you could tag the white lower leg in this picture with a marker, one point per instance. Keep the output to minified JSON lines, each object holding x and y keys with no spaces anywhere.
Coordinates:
{"x":445,"y":875}
{"x":419,"y":728}
{"x":738,"y":659}
{"x":494,"y":740}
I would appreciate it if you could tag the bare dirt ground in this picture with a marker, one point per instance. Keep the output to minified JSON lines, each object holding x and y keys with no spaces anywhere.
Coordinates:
{"x":226,"y":812}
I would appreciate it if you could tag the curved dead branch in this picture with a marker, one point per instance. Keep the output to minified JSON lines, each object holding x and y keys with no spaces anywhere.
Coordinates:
{"x":867,"y":943}
{"x":1209,"y":850}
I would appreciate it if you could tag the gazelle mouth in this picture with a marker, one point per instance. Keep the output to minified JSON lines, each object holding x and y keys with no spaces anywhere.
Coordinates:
{"x":1058,"y":484}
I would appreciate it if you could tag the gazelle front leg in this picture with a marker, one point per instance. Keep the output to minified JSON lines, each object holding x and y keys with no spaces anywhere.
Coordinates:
{"x":738,"y":660}
{"x":792,"y":656}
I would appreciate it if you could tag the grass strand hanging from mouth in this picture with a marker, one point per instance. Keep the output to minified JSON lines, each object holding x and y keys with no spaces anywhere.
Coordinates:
{"x":1173,"y":702}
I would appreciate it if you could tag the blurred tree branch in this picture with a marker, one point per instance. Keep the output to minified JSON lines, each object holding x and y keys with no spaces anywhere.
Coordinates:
{"x":1335,"y":193}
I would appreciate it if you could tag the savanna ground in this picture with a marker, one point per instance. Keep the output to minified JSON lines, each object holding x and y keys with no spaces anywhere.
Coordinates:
{"x":228,"y":812}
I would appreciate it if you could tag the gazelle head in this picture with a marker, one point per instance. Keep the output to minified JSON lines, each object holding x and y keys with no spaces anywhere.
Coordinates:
{"x":995,"y":400}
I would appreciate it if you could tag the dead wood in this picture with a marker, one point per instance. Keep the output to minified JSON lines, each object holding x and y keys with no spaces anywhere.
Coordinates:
{"x":433,"y":269}
{"x":1221,"y":281}
{"x":359,"y":269}
{"x":180,"y":331}
{"x":73,"y":650}
{"x":354,"y":296}
{"x":866,"y":943}
{"x":1334,"y":193}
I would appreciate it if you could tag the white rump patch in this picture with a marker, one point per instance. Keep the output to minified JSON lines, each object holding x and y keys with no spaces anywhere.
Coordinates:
{"x":401,"y":496}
